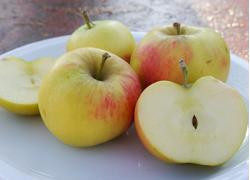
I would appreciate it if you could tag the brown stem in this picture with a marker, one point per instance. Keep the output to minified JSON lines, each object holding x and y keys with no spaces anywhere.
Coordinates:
{"x":177,"y":26}
{"x":86,"y":19}
{"x":105,"y":56}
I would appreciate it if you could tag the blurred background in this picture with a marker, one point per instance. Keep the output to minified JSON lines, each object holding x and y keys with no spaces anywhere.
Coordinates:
{"x":26,"y":21}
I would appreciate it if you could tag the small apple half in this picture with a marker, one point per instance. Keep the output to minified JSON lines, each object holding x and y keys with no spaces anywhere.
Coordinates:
{"x":20,"y":81}
{"x":204,"y":124}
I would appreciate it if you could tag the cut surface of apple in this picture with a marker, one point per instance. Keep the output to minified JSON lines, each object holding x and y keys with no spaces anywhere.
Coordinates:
{"x":20,"y":81}
{"x":204,"y":124}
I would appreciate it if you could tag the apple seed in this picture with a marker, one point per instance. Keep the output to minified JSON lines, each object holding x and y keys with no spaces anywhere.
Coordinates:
{"x":194,"y":122}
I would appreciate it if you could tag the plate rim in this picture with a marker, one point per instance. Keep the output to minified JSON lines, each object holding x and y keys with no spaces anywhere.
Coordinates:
{"x":238,"y":60}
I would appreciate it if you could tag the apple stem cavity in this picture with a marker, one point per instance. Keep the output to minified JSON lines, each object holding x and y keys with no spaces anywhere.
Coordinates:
{"x":184,"y":69}
{"x":105,"y":56}
{"x":177,"y":26}
{"x":87,"y":20}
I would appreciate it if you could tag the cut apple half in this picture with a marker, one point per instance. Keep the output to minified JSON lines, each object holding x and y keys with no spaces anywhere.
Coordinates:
{"x":19,"y":83}
{"x":204,"y":124}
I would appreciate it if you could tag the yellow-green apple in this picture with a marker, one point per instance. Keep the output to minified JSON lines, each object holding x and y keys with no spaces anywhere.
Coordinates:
{"x":109,"y":35}
{"x":89,"y":97}
{"x":203,"y":124}
{"x":156,"y":56}
{"x":20,"y":81}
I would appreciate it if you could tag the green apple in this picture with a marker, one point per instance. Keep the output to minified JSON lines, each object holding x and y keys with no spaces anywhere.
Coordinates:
{"x":20,"y":81}
{"x":108,"y":35}
{"x":202,"y":124}
{"x":88,"y":97}
{"x":156,"y":57}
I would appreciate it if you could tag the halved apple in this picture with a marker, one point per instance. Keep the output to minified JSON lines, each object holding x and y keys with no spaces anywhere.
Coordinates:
{"x":202,"y":124}
{"x":19,"y":83}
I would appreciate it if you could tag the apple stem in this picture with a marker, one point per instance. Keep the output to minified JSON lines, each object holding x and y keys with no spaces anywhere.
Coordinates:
{"x":105,"y":56}
{"x":177,"y":26}
{"x":87,"y":20}
{"x":184,"y":69}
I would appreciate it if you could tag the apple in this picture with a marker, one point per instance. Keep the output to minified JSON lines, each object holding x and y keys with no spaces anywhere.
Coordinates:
{"x":202,"y":124}
{"x":89,"y":97}
{"x":108,"y":35}
{"x":156,"y":57}
{"x":20,"y":81}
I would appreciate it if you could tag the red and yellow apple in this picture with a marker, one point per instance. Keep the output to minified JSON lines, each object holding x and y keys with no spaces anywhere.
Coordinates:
{"x":202,"y":124}
{"x":156,"y":56}
{"x":109,"y":35}
{"x":89,"y":97}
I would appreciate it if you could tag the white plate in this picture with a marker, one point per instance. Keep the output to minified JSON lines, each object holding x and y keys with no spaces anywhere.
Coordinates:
{"x":29,"y":151}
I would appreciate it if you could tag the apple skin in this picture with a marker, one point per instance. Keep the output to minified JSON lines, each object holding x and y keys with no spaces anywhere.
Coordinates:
{"x":156,"y":57}
{"x":17,"y":75}
{"x":22,"y":109}
{"x":218,"y":88}
{"x":109,"y":35}
{"x":81,"y":110}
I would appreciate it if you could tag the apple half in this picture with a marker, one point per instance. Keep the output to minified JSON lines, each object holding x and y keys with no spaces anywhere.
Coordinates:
{"x":20,"y":81}
{"x":204,"y":124}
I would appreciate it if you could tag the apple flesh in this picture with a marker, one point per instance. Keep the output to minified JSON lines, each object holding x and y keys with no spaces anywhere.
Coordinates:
{"x":20,"y":81}
{"x":109,"y":35}
{"x":204,"y":124}
{"x":83,"y":106}
{"x":156,"y":57}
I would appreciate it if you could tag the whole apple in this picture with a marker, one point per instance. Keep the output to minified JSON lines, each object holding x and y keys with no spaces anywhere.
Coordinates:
{"x":156,"y":57}
{"x":109,"y":35}
{"x":88,"y":97}
{"x":203,"y":123}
